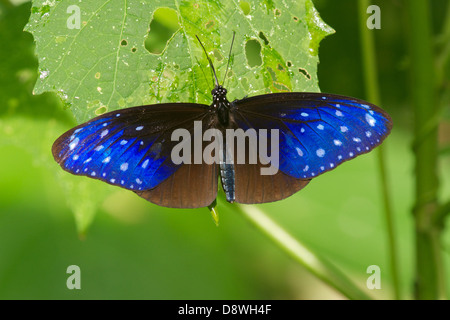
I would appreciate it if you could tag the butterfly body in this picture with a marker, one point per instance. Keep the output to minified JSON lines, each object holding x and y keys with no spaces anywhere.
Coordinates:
{"x":221,"y":108}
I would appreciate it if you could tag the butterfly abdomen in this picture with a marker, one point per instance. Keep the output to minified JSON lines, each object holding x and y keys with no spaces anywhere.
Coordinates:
{"x":227,"y":175}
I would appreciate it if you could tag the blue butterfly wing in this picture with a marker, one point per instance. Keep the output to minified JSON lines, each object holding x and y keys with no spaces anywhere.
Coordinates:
{"x":317,"y":132}
{"x":131,"y":148}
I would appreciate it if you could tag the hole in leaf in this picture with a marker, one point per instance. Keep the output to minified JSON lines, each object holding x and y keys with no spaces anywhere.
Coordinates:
{"x":217,"y":55}
{"x":244,"y":82}
{"x":305,"y":73}
{"x":100,"y":110}
{"x":281,"y":87}
{"x":124,"y":43}
{"x":263,"y":37}
{"x":162,"y":27}
{"x":295,"y":19}
{"x":210,"y":24}
{"x":133,"y":49}
{"x":253,"y":53}
{"x":272,"y":73}
{"x":289,"y":64}
{"x":277,"y":12}
{"x":245,"y":7}
{"x":280,"y":67}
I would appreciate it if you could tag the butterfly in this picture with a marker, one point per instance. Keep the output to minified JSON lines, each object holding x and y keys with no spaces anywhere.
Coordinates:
{"x":133,"y":148}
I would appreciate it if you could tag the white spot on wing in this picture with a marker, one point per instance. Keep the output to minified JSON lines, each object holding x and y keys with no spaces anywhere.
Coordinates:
{"x":104,"y":133}
{"x":320,"y":152}
{"x":74,"y":143}
{"x":370,"y":120}
{"x":124,"y":166}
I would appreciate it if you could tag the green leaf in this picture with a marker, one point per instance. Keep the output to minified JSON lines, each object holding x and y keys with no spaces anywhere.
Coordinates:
{"x":32,"y":123}
{"x":104,"y":65}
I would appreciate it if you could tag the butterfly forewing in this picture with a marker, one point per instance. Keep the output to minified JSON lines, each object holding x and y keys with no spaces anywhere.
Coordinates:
{"x":317,"y":132}
{"x":131,"y":148}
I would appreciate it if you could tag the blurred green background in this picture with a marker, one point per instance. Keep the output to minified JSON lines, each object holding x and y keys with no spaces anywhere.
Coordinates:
{"x":136,"y":250}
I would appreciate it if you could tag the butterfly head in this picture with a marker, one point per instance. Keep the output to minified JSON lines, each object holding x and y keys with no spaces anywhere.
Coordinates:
{"x":218,"y":91}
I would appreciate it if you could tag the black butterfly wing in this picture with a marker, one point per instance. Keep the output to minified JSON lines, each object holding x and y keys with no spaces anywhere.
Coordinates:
{"x":131,"y":148}
{"x":317,"y":132}
{"x":251,"y":187}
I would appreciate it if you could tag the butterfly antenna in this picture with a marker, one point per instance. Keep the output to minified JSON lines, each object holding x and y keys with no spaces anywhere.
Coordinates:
{"x":209,"y":60}
{"x":229,"y":57}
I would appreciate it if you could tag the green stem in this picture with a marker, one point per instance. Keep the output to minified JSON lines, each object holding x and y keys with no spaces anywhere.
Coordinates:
{"x":429,"y":269}
{"x":373,"y":95}
{"x":300,"y":253}
{"x":443,"y":41}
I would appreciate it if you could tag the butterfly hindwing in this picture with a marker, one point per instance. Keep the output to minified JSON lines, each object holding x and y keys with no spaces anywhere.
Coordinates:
{"x":191,"y":186}
{"x":317,"y":132}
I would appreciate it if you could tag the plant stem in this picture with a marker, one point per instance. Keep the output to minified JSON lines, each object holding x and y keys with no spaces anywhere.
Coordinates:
{"x":300,"y":253}
{"x":429,"y":269}
{"x":444,"y":49}
{"x":373,"y":95}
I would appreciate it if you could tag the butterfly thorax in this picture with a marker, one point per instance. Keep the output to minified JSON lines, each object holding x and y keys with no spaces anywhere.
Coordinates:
{"x":221,"y":104}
